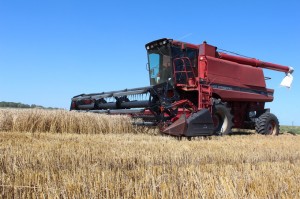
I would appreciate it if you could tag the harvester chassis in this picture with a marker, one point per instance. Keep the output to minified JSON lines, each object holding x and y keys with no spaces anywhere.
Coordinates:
{"x":195,"y":90}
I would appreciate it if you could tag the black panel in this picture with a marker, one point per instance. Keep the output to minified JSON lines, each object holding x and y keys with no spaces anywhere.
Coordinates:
{"x":200,"y":123}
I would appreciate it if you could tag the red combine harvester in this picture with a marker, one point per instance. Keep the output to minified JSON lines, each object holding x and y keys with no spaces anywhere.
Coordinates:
{"x":194,"y":91}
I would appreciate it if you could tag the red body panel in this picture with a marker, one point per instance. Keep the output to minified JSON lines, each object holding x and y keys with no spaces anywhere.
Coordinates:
{"x":234,"y":78}
{"x":236,"y":82}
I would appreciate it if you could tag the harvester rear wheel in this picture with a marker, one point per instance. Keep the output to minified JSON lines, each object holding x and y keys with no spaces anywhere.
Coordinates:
{"x":222,"y":119}
{"x":267,"y":124}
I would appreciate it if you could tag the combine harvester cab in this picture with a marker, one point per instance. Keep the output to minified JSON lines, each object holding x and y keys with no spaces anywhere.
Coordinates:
{"x":194,"y":91}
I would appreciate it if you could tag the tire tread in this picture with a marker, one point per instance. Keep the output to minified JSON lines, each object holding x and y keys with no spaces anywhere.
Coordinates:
{"x":262,"y":123}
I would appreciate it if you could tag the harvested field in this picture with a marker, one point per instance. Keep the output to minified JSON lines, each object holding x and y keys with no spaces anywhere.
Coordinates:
{"x":122,"y":164}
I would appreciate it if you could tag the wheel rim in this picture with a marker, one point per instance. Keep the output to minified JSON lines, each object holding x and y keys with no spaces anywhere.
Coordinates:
{"x":224,"y":124}
{"x":220,"y":122}
{"x":271,"y":128}
{"x":216,"y":121}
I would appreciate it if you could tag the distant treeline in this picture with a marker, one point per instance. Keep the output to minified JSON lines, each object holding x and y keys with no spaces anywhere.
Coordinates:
{"x":21,"y":105}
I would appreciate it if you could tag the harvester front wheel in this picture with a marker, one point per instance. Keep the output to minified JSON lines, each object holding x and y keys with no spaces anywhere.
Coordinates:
{"x":267,"y":124}
{"x":222,"y":119}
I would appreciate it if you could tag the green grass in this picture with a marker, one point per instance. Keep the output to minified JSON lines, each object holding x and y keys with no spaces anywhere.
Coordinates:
{"x":290,"y":129}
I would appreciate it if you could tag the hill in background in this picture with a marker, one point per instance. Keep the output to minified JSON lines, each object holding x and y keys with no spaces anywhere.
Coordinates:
{"x":4,"y":104}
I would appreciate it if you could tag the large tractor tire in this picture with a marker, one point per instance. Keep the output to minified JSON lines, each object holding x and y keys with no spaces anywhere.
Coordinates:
{"x":267,"y":124}
{"x":222,"y":119}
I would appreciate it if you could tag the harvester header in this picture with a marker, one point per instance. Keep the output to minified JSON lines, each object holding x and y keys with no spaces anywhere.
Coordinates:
{"x":194,"y":90}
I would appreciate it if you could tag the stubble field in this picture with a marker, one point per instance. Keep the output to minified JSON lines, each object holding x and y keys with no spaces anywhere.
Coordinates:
{"x":61,"y":154}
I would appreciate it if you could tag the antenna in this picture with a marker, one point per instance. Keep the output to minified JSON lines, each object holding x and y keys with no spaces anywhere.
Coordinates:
{"x":184,"y":36}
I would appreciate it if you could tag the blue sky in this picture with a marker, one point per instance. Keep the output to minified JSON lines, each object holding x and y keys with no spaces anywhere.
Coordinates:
{"x":53,"y":50}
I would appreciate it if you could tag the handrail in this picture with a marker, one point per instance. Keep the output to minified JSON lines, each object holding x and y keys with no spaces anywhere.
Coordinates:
{"x":184,"y":69}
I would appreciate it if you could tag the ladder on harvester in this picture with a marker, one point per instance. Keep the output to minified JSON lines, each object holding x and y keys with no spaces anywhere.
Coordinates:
{"x":205,"y":95}
{"x":184,"y":76}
